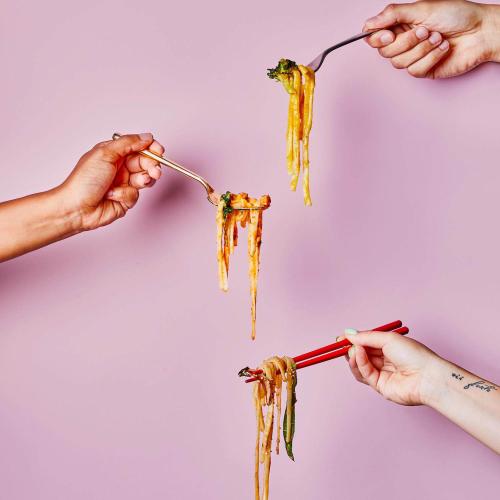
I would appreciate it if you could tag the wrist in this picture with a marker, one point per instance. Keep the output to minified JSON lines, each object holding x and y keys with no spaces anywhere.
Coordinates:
{"x":434,"y":381}
{"x":491,"y":32}
{"x":66,"y":215}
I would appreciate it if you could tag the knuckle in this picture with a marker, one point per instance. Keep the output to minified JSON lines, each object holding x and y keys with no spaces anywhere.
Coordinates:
{"x":134,"y":195}
{"x":397,"y":63}
{"x":372,"y":41}
{"x":384,"y":52}
{"x":99,"y":151}
{"x":393,"y":337}
{"x":390,"y":8}
{"x":416,"y":72}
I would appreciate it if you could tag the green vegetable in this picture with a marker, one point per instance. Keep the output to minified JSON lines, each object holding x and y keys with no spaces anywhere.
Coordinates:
{"x":226,"y":199}
{"x":284,"y":67}
{"x":289,"y":444}
{"x":283,"y":73}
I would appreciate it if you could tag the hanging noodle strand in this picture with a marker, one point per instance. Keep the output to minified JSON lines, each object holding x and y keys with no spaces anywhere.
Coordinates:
{"x":267,"y":395}
{"x":228,"y":217}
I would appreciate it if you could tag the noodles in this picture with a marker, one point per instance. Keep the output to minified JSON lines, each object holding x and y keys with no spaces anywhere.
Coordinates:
{"x":299,"y":82}
{"x":308,"y":97}
{"x":267,"y":392}
{"x":228,"y":217}
{"x":299,"y":127}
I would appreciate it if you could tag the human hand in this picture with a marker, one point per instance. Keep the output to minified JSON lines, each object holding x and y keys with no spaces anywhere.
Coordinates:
{"x":437,"y":38}
{"x":106,"y":181}
{"x":399,"y":368}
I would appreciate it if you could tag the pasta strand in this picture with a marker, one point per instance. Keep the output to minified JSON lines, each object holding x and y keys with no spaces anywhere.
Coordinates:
{"x":267,"y":393}
{"x":227,"y":220}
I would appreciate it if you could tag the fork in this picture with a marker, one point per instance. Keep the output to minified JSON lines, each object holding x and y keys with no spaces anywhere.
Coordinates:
{"x":316,"y":63}
{"x":212,"y":196}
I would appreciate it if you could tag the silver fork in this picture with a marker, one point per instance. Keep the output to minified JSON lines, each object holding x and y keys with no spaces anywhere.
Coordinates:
{"x":316,"y":63}
{"x":212,"y":196}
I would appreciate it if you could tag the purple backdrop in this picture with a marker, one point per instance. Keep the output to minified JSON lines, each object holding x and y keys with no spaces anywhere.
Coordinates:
{"x":118,"y":354}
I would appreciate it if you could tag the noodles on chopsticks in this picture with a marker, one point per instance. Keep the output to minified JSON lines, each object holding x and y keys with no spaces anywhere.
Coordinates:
{"x":267,"y":398}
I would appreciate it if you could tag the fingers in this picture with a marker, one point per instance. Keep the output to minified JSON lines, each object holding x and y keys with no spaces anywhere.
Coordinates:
{"x":367,"y":370}
{"x":127,"y":196}
{"x":424,"y":67}
{"x":351,"y":360}
{"x":146,"y":163}
{"x":417,"y":50}
{"x":411,"y":13}
{"x":123,"y":146}
{"x":404,"y":42}
{"x":157,"y":148}
{"x":140,"y":163}
{"x":406,"y":59}
{"x":152,"y":166}
{"x":375,"y":340}
{"x":140,"y":180}
{"x":381,"y":39}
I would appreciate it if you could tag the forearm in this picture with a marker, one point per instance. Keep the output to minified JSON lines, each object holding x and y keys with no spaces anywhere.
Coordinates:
{"x":491,"y":31}
{"x":467,"y":400}
{"x":34,"y":221}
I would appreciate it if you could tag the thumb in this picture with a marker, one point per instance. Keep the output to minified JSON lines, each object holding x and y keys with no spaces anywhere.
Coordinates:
{"x":376,"y":340}
{"x":405,"y":13}
{"x":125,"y":144}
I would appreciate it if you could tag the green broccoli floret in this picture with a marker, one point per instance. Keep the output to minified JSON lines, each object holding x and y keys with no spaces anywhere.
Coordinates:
{"x":284,"y":67}
{"x":226,"y":198}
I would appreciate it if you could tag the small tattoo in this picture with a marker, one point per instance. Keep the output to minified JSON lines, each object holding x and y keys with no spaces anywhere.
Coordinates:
{"x":457,"y":376}
{"x":482,"y":385}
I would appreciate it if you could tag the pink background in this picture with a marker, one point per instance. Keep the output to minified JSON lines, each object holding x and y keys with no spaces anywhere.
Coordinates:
{"x":118,"y":354}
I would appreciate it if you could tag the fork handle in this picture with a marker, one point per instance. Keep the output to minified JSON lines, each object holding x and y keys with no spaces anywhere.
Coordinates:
{"x":175,"y":166}
{"x":354,"y":38}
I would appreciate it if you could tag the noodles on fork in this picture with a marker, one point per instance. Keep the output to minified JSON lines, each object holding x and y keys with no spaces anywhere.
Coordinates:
{"x":228,"y":217}
{"x":299,"y":82}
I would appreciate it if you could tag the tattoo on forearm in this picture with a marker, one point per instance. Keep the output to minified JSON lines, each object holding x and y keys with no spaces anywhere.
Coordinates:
{"x":482,"y":385}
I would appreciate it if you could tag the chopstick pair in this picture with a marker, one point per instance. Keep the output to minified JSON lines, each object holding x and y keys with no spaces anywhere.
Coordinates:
{"x":331,"y":351}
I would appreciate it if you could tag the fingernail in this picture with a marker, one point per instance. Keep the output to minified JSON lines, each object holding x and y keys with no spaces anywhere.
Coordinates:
{"x":352,"y":351}
{"x":422,"y":33}
{"x":445,"y":45}
{"x":435,"y":37}
{"x":386,"y":38}
{"x":146,"y":179}
{"x":146,"y":136}
{"x":110,"y":194}
{"x":350,"y":331}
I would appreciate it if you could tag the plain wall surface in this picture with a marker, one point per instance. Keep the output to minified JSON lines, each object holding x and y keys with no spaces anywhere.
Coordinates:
{"x":118,"y":353}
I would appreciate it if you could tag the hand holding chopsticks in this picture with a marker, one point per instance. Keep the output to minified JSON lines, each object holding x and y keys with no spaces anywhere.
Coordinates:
{"x":328,"y":352}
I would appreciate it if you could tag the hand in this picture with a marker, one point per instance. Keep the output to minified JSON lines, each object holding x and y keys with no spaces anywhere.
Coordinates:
{"x":437,"y":38}
{"x":397,"y":367}
{"x":106,"y":181}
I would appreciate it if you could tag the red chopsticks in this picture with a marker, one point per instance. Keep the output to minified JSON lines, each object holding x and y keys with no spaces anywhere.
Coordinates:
{"x":332,"y":351}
